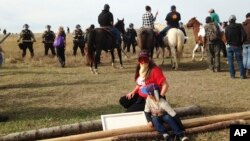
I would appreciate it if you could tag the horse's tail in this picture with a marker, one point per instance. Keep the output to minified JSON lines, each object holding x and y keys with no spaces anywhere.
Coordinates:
{"x":180,"y":42}
{"x":91,"y":46}
{"x":143,"y":39}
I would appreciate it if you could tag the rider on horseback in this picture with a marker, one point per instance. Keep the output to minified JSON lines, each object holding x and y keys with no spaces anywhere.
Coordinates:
{"x":172,"y":20}
{"x":106,"y":20}
{"x":148,"y":18}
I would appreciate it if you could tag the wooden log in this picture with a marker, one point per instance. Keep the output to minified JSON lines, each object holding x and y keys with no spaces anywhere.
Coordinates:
{"x":78,"y":128}
{"x":187,"y":124}
{"x":4,"y":38}
{"x":189,"y":131}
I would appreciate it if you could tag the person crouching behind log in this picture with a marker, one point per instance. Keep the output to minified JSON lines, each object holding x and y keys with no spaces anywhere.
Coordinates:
{"x":158,"y":111}
{"x":146,"y":72}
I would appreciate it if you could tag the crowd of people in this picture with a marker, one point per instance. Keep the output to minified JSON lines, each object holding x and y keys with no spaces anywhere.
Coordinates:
{"x":151,"y":84}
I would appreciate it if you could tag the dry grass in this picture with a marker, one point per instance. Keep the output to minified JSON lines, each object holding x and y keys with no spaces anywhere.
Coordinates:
{"x":37,"y":93}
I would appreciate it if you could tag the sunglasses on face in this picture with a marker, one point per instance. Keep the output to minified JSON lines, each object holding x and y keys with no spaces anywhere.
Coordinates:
{"x":143,"y":60}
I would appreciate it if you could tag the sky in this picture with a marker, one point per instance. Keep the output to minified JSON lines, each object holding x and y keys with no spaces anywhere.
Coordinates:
{"x":38,"y":13}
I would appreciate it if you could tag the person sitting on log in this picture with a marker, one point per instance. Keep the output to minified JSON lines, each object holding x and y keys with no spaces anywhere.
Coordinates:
{"x":158,"y":111}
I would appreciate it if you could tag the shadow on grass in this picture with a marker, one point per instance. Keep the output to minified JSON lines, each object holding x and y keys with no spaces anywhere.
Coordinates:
{"x":52,"y":84}
{"x":60,"y":114}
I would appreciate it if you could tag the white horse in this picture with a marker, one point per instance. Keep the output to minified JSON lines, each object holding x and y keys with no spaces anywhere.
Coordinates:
{"x":174,"y":39}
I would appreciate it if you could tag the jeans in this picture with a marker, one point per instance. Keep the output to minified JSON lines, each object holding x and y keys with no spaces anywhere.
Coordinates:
{"x":158,"y":124}
{"x":60,"y":51}
{"x":246,"y":56}
{"x":237,"y":52}
{"x":117,"y":34}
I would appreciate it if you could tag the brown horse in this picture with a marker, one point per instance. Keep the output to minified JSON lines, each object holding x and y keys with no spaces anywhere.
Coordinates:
{"x":197,"y":27}
{"x":147,"y":40}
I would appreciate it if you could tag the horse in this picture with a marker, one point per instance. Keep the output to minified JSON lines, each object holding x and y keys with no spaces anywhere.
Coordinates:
{"x":198,"y":30}
{"x":101,"y":39}
{"x":147,"y":40}
{"x":121,"y":27}
{"x":174,"y":39}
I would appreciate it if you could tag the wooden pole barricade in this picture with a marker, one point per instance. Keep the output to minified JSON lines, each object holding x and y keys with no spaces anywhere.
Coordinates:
{"x":187,"y":124}
{"x":80,"y":128}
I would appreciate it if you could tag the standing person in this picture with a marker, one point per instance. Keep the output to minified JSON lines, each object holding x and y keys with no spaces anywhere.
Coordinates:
{"x":148,"y":19}
{"x":246,"y":45}
{"x":4,"y":32}
{"x":78,"y":40}
{"x":147,"y":72}
{"x":106,"y":20}
{"x":68,"y":30}
{"x":172,"y":19}
{"x":215,"y":18}
{"x":60,"y":44}
{"x":130,"y":37}
{"x":48,"y":39}
{"x":158,"y":111}
{"x":235,"y":36}
{"x":28,"y":38}
{"x":211,"y":42}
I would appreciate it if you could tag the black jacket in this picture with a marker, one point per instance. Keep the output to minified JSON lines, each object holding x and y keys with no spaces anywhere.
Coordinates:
{"x":105,"y":18}
{"x":173,"y":19}
{"x":235,"y":34}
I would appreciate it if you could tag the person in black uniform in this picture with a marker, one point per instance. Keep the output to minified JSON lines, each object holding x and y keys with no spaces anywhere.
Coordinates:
{"x":78,"y":40}
{"x":28,"y":38}
{"x":48,"y":39}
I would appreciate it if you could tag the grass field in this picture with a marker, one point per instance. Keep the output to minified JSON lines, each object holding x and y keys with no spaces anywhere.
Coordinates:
{"x":37,"y":93}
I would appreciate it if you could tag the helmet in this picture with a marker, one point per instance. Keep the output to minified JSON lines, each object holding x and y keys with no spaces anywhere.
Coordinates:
{"x":131,"y":25}
{"x":106,"y":7}
{"x":25,"y":26}
{"x":78,"y":26}
{"x":48,"y":26}
{"x":232,"y":18}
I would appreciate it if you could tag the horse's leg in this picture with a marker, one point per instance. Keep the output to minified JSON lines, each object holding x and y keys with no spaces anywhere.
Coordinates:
{"x":112,"y":57}
{"x":163,"y":55}
{"x":202,"y":53}
{"x":97,"y":59}
{"x":119,"y":51}
{"x":174,"y":61}
{"x":194,"y":50}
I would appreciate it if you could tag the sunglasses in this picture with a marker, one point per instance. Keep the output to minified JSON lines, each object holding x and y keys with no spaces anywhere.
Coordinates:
{"x":143,"y":60}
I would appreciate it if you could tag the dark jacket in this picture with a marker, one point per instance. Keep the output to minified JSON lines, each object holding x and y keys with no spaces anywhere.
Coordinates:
{"x":246,"y":26}
{"x":105,"y":18}
{"x":130,"y":35}
{"x":173,"y":19}
{"x":235,"y":34}
{"x":48,"y":36}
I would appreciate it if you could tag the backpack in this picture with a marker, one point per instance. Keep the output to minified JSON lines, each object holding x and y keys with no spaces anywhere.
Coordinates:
{"x":212,"y":32}
{"x":59,"y":41}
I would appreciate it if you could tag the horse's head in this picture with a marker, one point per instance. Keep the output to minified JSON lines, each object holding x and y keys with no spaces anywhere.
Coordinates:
{"x":120,"y":25}
{"x":192,"y":22}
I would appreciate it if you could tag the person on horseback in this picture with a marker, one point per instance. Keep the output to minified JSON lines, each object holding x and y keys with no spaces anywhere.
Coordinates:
{"x":172,"y":20}
{"x":148,"y":18}
{"x":106,"y":20}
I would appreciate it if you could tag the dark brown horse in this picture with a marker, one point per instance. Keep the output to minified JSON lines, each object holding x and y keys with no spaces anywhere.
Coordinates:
{"x":101,"y":39}
{"x":147,"y":40}
{"x":197,"y":27}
